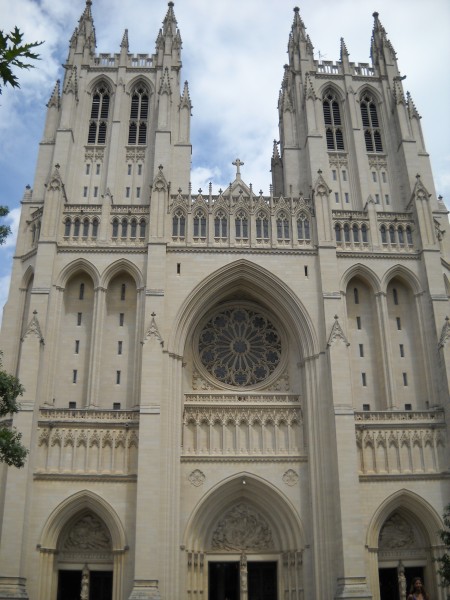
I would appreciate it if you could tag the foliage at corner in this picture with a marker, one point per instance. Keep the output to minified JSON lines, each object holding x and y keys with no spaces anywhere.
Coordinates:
{"x":4,"y":229}
{"x":12,"y":54}
{"x":444,"y":561}
{"x":12,"y":452}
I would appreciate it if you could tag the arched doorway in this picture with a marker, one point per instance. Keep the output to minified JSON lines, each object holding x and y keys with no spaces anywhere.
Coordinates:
{"x":245,"y":541}
{"x":403,"y":544}
{"x":85,"y":559}
{"x":82,"y":551}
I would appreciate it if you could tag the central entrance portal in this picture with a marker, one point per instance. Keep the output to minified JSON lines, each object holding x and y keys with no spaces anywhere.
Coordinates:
{"x":227,"y":581}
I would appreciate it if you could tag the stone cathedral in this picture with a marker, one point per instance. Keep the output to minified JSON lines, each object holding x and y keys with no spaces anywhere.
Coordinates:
{"x":230,"y":395}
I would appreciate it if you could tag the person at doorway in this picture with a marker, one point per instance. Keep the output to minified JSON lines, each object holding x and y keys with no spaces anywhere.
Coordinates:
{"x":417,"y":591}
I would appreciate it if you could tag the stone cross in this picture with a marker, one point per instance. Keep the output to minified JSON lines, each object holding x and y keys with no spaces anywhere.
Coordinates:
{"x":237,"y":163}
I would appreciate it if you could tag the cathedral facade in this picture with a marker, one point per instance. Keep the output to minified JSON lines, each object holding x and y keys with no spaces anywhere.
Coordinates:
{"x":228,"y":396}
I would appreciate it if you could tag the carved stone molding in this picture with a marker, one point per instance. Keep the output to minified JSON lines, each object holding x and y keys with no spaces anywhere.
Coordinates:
{"x":396,"y":533}
{"x":337,"y":333}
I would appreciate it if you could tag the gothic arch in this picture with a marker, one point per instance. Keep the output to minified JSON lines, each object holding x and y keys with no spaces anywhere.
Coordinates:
{"x":244,"y":276}
{"x":27,"y":277}
{"x":331,"y":86}
{"x":136,"y":82}
{"x":404,"y":274}
{"x":80,"y":264}
{"x":101,"y":80}
{"x":363,"y":273}
{"x":411,"y":503}
{"x":122,"y":265}
{"x":371,"y":91}
{"x":79,"y":502}
{"x":274,"y":507}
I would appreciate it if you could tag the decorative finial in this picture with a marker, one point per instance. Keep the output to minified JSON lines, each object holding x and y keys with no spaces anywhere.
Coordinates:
{"x":296,"y":9}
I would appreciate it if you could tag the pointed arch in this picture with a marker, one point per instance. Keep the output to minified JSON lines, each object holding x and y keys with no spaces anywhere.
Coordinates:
{"x":101,"y":80}
{"x":281,"y":515}
{"x":81,"y":501}
{"x":364,"y":273}
{"x":404,"y":500}
{"x":140,"y":81}
{"x":403,"y":273}
{"x":122,"y":265}
{"x":27,"y":277}
{"x":80,"y":264}
{"x":243,"y":276}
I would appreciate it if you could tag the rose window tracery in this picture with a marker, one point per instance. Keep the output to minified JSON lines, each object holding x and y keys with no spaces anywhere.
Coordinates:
{"x":239,"y":346}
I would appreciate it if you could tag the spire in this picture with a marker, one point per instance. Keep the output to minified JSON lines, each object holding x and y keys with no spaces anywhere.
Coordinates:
{"x":382,"y":51}
{"x":170,"y":22}
{"x":185,"y":98}
{"x":344,"y":51}
{"x":84,"y":35}
{"x":275,"y":152}
{"x":55,"y":97}
{"x":124,"y":45}
{"x":300,"y":47}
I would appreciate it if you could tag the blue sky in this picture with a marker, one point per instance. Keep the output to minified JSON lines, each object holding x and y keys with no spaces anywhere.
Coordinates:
{"x":233,"y":56}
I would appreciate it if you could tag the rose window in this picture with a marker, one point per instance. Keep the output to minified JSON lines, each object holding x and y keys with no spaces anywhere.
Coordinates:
{"x":239,"y":346}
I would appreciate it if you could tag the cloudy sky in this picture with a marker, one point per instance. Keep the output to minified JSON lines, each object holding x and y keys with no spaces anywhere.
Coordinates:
{"x":233,"y":56}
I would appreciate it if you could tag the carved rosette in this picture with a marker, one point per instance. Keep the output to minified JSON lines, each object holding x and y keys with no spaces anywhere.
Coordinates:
{"x":290,"y":477}
{"x":197,"y":478}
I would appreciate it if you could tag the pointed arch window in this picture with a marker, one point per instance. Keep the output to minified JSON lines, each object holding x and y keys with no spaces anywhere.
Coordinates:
{"x":283,"y":233}
{"x":124,"y":228}
{"x":179,"y":225}
{"x":220,"y":225}
{"x":409,"y":236}
{"x":76,"y":228}
{"x":346,"y":232}
{"x":337,"y":231}
{"x":333,"y":123}
{"x":67,"y":226}
{"x":115,"y":228}
{"x":241,"y":222}
{"x":262,"y":227}
{"x":85,"y":228}
{"x":364,"y":233}
{"x":133,"y":228}
{"x":199,"y":225}
{"x":94,"y":228}
{"x":371,"y":125}
{"x":137,"y":133}
{"x":99,"y":116}
{"x":142,"y":227}
{"x":303,"y":229}
{"x":383,"y":234}
{"x":355,"y":233}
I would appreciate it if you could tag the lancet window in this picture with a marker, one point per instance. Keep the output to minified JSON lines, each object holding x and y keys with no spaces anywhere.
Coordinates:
{"x":262,"y":227}
{"x":333,"y":123}
{"x":283,"y":233}
{"x":199,"y":225}
{"x":137,"y":133}
{"x":241,"y":222}
{"x":371,"y":125}
{"x":99,"y":116}
{"x":220,"y":225}
{"x":179,"y":225}
{"x":303,"y":228}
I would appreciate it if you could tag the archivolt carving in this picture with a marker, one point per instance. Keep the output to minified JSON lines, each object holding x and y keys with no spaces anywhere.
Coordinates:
{"x":242,"y":528}
{"x":88,"y":533}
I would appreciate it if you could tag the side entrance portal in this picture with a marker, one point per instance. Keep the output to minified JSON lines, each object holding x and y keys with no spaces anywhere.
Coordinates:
{"x":253,"y":580}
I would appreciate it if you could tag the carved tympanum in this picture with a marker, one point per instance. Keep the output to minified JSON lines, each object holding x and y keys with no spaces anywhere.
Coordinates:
{"x":396,"y":533}
{"x":242,"y":528}
{"x":88,"y":533}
